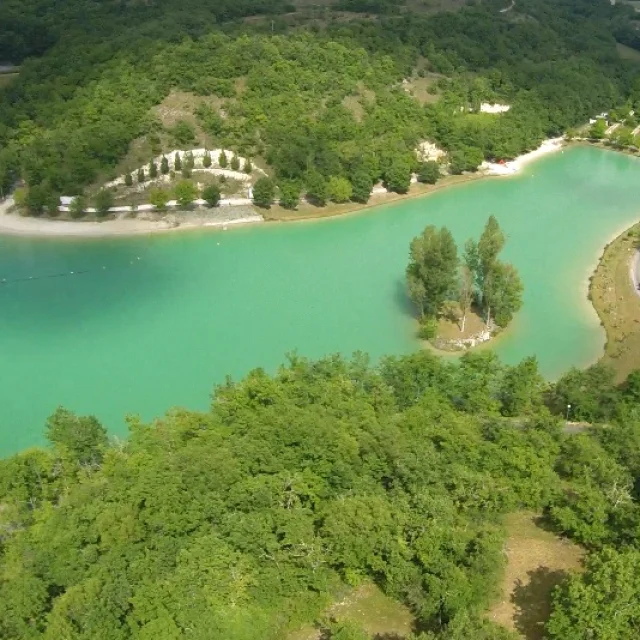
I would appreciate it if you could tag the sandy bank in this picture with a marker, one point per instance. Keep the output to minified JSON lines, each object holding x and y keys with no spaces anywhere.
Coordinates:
{"x":515,"y":166}
{"x":14,"y":224}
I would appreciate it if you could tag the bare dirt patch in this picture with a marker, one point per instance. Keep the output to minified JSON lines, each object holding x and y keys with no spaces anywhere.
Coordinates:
{"x":628,"y":53}
{"x":180,"y":105}
{"x":537,"y":561}
{"x":423,"y":89}
{"x":450,"y":322}
{"x":618,"y":305}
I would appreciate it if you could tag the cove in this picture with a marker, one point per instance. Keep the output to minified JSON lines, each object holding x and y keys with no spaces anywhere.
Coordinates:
{"x":156,"y":321}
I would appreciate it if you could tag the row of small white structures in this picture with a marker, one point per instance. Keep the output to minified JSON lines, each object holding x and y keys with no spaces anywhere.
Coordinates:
{"x":224,"y":202}
{"x":198,"y":155}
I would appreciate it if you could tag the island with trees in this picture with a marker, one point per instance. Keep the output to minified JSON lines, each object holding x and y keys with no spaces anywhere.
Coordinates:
{"x":447,"y":291}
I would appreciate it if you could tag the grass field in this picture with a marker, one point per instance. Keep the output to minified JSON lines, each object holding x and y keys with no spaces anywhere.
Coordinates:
{"x":6,"y":78}
{"x":618,"y":305}
{"x":537,"y":561}
{"x":628,"y":53}
{"x":368,"y":608}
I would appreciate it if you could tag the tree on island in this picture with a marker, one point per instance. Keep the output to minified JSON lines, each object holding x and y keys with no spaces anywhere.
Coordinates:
{"x":211,"y":195}
{"x":263,"y":192}
{"x":432,"y":270}
{"x":499,"y":288}
{"x":185,"y":192}
{"x":465,"y":294}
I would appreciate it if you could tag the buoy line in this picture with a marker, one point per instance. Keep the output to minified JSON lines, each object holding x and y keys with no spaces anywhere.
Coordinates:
{"x":64,"y":274}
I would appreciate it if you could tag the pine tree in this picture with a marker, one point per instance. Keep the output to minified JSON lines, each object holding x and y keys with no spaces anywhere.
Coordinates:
{"x":206,"y":160}
{"x":128,"y":180}
{"x":153,"y":170}
{"x":222,"y":160}
{"x":235,"y":163}
{"x":177,"y":162}
{"x":248,"y":167}
{"x":141,"y":176}
{"x":164,"y":166}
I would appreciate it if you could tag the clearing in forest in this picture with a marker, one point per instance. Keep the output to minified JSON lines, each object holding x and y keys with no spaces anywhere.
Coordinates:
{"x":537,"y":561}
{"x":367,"y":607}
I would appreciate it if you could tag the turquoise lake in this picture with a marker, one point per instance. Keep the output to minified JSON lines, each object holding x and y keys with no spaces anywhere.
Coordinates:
{"x":156,"y":321}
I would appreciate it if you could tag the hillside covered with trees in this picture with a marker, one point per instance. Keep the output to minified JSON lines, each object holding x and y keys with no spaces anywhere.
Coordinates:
{"x":322,"y":105}
{"x":244,"y":522}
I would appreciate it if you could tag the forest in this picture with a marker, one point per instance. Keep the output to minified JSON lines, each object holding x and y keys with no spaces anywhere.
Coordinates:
{"x":322,"y":106}
{"x":245,"y":521}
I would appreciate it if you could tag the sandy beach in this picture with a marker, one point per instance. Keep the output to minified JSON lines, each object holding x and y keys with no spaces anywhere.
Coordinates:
{"x":12,"y":223}
{"x":515,"y":166}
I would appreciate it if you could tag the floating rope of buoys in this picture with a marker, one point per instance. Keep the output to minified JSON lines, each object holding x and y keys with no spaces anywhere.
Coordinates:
{"x":63,"y":274}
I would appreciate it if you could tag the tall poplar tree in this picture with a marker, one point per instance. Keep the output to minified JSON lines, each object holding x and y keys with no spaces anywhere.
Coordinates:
{"x":432,"y":269}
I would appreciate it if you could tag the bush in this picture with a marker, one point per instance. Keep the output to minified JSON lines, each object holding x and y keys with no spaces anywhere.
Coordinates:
{"x":128,"y":180}
{"x":103,"y":201}
{"x":429,"y":172}
{"x":263,"y":192}
{"x":340,"y":189}
{"x":428,"y":328}
{"x":212,"y":195}
{"x":206,"y":160}
{"x":222,"y":160}
{"x":235,"y":163}
{"x":183,"y":132}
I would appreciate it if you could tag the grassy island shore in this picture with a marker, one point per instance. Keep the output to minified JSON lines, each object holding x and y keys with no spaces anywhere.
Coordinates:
{"x":612,"y":293}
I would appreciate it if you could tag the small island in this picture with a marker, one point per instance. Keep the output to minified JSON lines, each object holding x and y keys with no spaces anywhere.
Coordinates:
{"x":462,"y":302}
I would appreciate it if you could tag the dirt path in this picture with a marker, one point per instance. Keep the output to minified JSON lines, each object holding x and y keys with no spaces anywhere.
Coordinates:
{"x":537,"y":560}
{"x":634,"y":266}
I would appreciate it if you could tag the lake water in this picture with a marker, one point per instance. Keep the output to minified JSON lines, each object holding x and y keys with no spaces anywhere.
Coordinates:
{"x":156,"y":321}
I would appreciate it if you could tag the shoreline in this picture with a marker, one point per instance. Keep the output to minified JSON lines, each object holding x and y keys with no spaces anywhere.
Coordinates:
{"x":611,"y":294}
{"x":12,"y":224}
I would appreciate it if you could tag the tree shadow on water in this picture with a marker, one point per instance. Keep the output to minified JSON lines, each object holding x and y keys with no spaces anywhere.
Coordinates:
{"x":402,"y":300}
{"x":533,"y":601}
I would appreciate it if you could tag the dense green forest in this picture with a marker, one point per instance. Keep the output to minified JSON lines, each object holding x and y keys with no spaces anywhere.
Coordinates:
{"x":320,"y":103}
{"x":243,"y":522}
